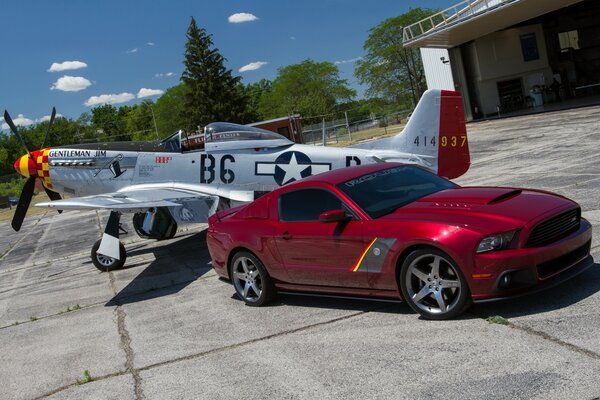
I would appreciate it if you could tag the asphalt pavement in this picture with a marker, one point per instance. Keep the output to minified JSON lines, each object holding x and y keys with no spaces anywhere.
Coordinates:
{"x":166,"y":328}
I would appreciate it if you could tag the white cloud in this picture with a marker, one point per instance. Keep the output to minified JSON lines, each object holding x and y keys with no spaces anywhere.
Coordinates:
{"x":149,"y":92}
{"x":66,"y":65}
{"x":253,"y":66}
{"x":21,"y":120}
{"x":241,"y":17}
{"x":47,"y":117}
{"x":71,"y":83}
{"x":162,"y":75}
{"x":150,"y":43}
{"x":132,"y":51}
{"x":109,"y":99}
{"x":352,"y":60}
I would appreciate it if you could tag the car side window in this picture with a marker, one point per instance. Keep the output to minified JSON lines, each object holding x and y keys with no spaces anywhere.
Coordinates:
{"x":307,"y":204}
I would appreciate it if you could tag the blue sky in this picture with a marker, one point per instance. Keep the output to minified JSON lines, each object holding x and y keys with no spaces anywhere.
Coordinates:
{"x":130,"y":45}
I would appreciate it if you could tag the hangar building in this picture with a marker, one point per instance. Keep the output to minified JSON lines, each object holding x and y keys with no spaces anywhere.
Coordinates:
{"x":513,"y":56}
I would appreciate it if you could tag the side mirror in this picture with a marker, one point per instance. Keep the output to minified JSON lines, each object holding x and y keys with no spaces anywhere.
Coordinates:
{"x":334,"y":216}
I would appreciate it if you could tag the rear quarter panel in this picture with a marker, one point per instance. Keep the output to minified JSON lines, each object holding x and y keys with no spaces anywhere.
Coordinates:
{"x":227,"y":236}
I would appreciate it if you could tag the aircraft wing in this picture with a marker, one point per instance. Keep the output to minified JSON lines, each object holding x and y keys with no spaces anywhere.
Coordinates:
{"x":138,"y":198}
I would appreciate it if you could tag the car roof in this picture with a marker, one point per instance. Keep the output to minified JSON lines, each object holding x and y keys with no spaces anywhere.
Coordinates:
{"x":341,"y":175}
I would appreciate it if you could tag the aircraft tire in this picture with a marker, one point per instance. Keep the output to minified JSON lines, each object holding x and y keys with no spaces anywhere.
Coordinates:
{"x":104,"y":263}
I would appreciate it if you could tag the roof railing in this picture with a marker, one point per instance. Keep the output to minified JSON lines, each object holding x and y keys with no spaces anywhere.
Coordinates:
{"x":458,"y":12}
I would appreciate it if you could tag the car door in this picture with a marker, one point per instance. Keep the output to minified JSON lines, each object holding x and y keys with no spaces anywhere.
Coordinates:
{"x":317,"y":253}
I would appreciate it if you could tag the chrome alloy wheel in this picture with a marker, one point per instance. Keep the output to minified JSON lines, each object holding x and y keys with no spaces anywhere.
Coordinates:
{"x":247,"y":279}
{"x":433,"y":284}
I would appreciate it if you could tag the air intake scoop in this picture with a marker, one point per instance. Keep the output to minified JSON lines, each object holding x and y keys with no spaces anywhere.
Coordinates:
{"x":472,"y":195}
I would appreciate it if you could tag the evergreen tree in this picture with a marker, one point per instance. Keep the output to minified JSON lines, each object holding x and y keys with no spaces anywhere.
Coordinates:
{"x":213,"y":93}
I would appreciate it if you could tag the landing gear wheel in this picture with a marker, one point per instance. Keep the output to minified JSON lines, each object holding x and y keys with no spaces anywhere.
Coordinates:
{"x":105,"y":263}
{"x":250,"y":278}
{"x":433,"y":285}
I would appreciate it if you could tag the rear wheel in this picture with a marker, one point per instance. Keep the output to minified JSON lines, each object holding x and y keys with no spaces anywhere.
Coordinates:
{"x":433,"y":285}
{"x":251,"y":280}
{"x":106,"y":263}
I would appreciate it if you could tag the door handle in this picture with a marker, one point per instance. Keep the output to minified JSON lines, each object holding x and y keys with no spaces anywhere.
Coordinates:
{"x":286,"y":236}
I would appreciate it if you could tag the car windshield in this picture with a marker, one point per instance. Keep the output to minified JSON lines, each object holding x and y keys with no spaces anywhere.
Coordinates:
{"x":382,"y":192}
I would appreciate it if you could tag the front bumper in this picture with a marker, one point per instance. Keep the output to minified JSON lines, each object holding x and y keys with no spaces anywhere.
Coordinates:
{"x":514,"y":272}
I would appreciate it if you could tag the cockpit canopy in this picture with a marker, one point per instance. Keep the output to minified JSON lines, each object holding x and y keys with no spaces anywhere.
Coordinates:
{"x":227,"y":132}
{"x":224,"y":136}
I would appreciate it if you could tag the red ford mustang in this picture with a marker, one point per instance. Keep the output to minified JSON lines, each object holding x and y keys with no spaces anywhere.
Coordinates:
{"x":398,"y":231}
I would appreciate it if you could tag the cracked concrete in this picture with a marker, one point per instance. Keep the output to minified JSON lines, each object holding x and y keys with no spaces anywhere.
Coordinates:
{"x":166,"y":328}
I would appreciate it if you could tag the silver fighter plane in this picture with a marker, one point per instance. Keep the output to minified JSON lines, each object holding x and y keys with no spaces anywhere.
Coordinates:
{"x":170,"y":183}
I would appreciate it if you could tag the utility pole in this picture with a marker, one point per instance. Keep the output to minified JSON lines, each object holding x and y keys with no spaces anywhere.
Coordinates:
{"x":323,"y":128}
{"x":154,"y":119}
{"x":348,"y":125}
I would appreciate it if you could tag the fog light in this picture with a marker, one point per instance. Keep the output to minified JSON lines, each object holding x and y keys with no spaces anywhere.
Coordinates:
{"x":505,"y":281}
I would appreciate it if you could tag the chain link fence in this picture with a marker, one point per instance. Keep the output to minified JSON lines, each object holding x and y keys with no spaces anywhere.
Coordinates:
{"x":341,"y":130}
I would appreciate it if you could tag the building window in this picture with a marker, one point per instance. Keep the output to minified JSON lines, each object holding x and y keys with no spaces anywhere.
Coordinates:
{"x":568,"y":40}
{"x":529,"y":47}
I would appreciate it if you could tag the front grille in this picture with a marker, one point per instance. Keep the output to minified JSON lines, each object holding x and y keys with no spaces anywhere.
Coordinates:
{"x":558,"y":264}
{"x":554,"y":228}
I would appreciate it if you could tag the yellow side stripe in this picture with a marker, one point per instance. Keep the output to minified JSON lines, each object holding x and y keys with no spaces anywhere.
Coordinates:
{"x":356,"y":266}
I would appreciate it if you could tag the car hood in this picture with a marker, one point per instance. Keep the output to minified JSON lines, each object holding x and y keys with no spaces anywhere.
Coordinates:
{"x":485,"y":209}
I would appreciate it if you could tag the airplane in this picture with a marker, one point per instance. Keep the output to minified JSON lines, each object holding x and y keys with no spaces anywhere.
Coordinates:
{"x":170,"y":183}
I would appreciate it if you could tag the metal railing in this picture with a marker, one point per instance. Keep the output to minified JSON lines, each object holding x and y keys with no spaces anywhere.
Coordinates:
{"x":457,"y":13}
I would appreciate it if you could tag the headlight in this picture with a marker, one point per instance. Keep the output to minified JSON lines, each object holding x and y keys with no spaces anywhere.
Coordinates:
{"x":496,"y":242}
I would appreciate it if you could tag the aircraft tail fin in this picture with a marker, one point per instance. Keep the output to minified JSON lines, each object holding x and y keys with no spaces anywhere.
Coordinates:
{"x":436,"y":134}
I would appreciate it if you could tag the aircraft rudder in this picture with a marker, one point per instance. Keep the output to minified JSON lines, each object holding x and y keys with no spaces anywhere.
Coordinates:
{"x":453,"y":145}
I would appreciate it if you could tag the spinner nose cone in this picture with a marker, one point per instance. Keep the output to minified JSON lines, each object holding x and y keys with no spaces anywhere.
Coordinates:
{"x":25,"y":166}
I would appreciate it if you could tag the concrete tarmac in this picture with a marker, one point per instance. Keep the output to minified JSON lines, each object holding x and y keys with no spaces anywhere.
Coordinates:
{"x":166,"y":328}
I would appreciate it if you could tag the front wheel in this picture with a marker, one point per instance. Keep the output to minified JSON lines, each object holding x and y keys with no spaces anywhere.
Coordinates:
{"x":105,"y":263}
{"x":251,"y":280}
{"x":433,"y":285}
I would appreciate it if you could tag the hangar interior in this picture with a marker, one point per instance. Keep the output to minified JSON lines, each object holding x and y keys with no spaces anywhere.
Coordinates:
{"x":513,"y":56}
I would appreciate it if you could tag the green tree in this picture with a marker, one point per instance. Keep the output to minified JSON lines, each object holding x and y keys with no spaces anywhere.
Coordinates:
{"x":254,"y":93}
{"x":109,"y":123}
{"x":139,"y":121}
{"x":3,"y":160}
{"x":310,"y":88}
{"x":391,"y":70}
{"x":213,"y":92}
{"x":169,"y":109}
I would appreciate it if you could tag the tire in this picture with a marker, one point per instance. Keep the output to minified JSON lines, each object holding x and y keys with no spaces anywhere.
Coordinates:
{"x":435,"y":294}
{"x":105,"y":263}
{"x":251,"y":280}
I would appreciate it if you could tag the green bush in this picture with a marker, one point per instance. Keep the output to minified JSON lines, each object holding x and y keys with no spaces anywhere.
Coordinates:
{"x":12,"y":188}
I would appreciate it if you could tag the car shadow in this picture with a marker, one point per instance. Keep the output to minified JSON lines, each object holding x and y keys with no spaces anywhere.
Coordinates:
{"x":176,"y":265}
{"x":563,"y":295}
{"x":335,"y":303}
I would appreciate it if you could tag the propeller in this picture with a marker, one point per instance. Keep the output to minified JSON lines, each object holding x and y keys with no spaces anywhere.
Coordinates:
{"x":49,"y":126}
{"x":24,"y":201}
{"x":14,"y":130}
{"x":28,"y":188}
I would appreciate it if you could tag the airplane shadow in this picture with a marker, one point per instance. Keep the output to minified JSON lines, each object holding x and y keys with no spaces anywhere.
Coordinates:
{"x":565,"y":294}
{"x":176,"y":265}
